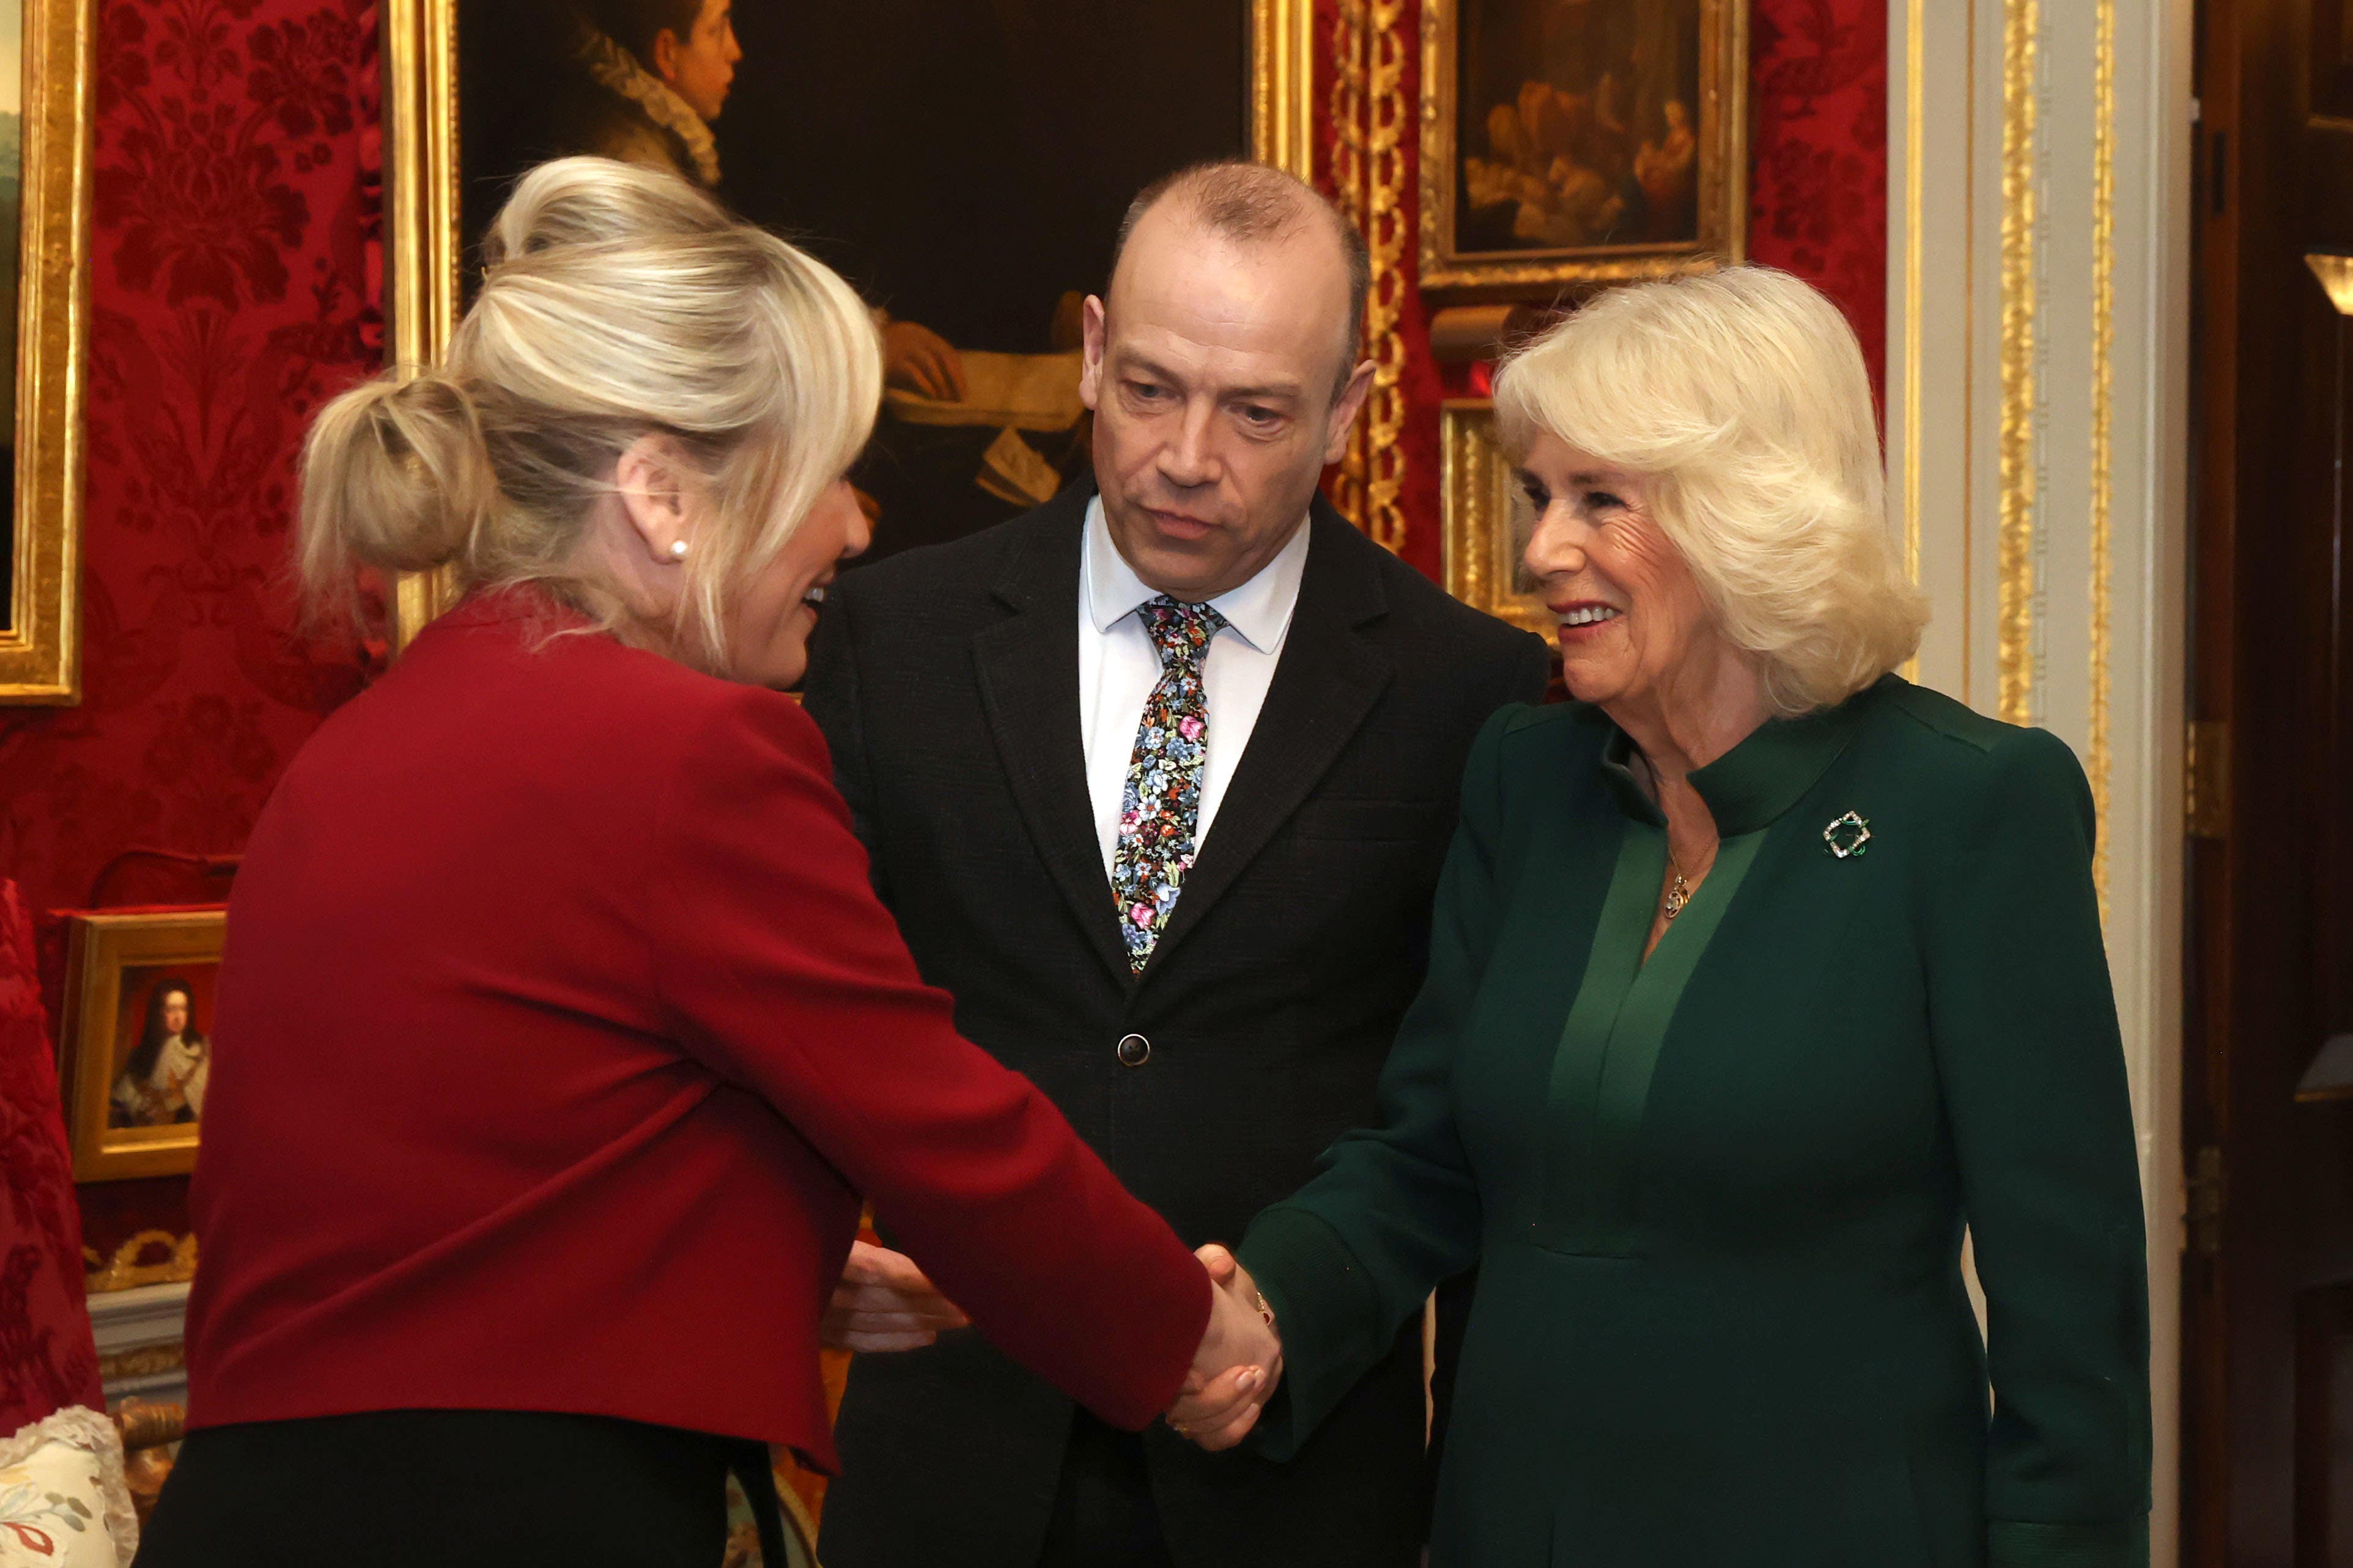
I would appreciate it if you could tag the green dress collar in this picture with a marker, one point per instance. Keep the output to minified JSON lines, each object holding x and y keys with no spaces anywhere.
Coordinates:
{"x":1751,"y":785}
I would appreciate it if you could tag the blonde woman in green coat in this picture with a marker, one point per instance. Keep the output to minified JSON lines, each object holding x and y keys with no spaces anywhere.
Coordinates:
{"x":1756,"y":975}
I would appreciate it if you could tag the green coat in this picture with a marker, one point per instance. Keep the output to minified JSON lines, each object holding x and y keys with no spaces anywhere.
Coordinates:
{"x":1716,"y":1199}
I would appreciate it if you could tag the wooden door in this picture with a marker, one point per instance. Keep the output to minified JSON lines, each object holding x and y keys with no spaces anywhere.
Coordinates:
{"x":2268,"y":1279}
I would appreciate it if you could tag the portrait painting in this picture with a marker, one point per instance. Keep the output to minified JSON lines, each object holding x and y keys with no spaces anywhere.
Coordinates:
{"x":138,"y":1038}
{"x":966,"y":166}
{"x":44,"y":228}
{"x":162,"y":1058}
{"x":1570,"y":141}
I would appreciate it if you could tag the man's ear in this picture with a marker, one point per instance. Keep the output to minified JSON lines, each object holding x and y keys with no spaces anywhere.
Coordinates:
{"x":1351,"y":402}
{"x":665,"y":61}
{"x":651,"y":479}
{"x":1091,"y":350}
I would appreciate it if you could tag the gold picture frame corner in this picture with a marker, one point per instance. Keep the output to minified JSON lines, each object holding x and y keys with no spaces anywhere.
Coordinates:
{"x":40,"y":650}
{"x":1477,"y":545}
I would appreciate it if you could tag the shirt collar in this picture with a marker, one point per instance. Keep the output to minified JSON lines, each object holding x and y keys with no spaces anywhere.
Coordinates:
{"x":1753,"y":785}
{"x":1259,"y":611}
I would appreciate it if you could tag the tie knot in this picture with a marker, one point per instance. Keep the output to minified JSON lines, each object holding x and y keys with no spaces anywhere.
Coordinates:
{"x":1180,"y":631}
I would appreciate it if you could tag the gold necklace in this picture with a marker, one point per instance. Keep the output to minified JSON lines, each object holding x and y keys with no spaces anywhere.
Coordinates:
{"x":1679,"y":894}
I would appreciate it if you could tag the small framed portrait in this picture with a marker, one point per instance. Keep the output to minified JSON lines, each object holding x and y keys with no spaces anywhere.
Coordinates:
{"x":138,"y":1039}
{"x":1485,"y":520}
{"x":1577,"y":145}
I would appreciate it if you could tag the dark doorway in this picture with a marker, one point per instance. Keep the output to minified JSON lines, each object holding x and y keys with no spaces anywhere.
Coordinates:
{"x":2268,"y":1277}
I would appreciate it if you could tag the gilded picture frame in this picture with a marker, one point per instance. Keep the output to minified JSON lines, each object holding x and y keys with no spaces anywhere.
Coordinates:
{"x":424,"y":195}
{"x":134,"y":1104}
{"x":40,"y":645}
{"x":1459,"y":264}
{"x":1483,"y":518}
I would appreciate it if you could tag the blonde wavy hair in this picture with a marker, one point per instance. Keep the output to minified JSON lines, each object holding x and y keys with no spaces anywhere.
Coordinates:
{"x":616,"y":302}
{"x":1740,"y":396}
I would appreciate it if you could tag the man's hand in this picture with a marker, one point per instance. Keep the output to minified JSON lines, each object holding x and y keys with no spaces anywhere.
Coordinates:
{"x":917,"y":359}
{"x":884,"y":1303}
{"x":1237,"y":1366}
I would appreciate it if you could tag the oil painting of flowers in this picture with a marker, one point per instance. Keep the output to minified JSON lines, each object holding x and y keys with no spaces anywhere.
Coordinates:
{"x":1566,"y":140}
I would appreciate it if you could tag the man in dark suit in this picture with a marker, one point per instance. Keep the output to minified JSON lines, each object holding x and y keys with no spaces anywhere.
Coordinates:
{"x":1157,"y":780}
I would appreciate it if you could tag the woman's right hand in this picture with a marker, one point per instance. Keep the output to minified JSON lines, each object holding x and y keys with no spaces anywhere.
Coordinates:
{"x":1238,"y":1364}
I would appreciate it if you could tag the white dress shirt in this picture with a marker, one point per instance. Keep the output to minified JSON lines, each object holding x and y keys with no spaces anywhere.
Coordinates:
{"x":1118,"y":668}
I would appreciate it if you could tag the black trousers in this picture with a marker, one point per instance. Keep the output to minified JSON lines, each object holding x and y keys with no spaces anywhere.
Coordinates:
{"x":1104,"y":1515}
{"x":451,"y":1487}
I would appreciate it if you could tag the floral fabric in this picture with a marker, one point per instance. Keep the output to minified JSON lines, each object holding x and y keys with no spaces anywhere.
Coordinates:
{"x":1160,"y":806}
{"x":63,"y":1504}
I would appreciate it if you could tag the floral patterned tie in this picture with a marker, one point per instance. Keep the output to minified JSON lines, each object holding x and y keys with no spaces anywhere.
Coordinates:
{"x":1161,"y":804}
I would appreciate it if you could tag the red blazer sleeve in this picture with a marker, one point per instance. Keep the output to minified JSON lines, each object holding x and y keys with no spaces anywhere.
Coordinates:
{"x":784,"y":973}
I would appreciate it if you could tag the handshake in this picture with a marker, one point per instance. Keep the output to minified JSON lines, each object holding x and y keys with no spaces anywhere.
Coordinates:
{"x":885,"y":1303}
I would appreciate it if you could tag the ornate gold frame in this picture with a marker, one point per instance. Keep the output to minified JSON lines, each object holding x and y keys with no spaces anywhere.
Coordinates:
{"x":1537,"y":274}
{"x":40,"y":650}
{"x":100,"y":948}
{"x":1481,"y":547}
{"x":124,"y":1271}
{"x":1282,"y":88}
{"x":421,"y":176}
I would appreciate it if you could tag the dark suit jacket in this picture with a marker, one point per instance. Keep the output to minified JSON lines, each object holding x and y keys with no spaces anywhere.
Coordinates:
{"x":946,"y":680}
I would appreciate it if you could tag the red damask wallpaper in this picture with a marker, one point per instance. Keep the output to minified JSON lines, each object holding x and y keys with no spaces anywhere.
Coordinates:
{"x":233,"y":288}
{"x":237,"y":282}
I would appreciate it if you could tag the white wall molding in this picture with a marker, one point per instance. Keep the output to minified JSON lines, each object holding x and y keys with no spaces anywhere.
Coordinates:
{"x":140,"y":1335}
{"x":2038,"y":375}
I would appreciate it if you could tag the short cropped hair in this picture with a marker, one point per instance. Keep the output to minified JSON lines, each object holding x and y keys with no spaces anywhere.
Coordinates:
{"x":1740,"y":396}
{"x":1251,"y":204}
{"x":635,"y":24}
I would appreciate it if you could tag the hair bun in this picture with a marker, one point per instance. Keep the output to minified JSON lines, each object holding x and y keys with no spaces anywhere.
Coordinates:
{"x":596,"y":202}
{"x":395,"y":476}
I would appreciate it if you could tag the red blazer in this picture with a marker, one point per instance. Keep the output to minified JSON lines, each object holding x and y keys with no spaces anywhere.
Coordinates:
{"x":560,"y":1032}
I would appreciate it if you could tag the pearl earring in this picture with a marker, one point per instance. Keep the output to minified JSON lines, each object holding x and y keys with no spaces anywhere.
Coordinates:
{"x":677,"y":550}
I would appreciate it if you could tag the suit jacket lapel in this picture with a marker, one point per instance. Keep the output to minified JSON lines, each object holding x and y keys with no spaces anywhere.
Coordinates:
{"x":1327,"y":680}
{"x":1029,"y":671}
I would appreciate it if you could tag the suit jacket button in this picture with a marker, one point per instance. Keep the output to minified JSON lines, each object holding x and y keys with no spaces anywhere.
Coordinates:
{"x":1135,"y":1050}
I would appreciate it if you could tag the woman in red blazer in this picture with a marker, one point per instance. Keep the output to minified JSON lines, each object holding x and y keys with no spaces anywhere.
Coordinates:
{"x":560,"y":1033}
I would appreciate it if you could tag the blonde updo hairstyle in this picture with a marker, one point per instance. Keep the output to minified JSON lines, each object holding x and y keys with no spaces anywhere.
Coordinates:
{"x":1740,"y":396}
{"x":616,"y":302}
